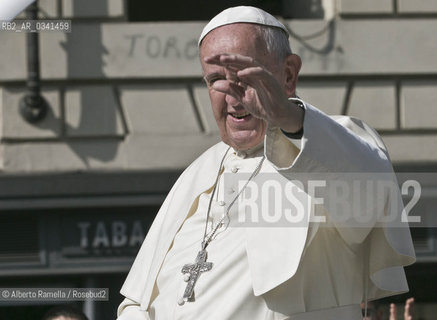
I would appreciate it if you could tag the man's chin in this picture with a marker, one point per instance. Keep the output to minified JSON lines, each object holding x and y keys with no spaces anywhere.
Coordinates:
{"x":245,"y":144}
{"x":244,"y":139}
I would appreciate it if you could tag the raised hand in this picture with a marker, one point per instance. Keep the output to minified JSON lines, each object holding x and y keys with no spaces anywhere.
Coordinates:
{"x":260,"y":89}
{"x":408,"y":310}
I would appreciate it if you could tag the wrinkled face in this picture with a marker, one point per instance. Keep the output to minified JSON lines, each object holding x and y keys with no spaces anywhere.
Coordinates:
{"x":239,"y":132}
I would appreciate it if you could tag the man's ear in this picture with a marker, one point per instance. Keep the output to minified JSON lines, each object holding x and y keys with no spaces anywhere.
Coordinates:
{"x":292,"y":68}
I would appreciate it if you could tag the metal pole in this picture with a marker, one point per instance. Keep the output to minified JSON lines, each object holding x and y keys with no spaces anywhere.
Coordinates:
{"x":33,"y":106}
{"x":89,"y":306}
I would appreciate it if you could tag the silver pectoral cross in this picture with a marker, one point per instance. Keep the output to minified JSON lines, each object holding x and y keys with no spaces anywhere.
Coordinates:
{"x":192,"y":273}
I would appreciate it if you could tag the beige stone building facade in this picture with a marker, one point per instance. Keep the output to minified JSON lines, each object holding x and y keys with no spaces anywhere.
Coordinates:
{"x":128,"y":111}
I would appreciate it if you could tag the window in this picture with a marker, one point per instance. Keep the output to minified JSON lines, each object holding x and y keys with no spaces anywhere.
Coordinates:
{"x":192,"y":10}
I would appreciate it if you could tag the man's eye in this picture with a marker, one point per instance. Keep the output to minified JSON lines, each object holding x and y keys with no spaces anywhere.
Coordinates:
{"x":212,"y":80}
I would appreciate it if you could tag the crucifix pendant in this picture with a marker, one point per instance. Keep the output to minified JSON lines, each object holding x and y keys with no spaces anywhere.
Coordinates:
{"x":192,"y":273}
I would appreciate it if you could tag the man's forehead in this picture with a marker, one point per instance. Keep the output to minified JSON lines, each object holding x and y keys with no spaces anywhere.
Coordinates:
{"x":242,"y":39}
{"x":235,"y":30}
{"x":239,"y":38}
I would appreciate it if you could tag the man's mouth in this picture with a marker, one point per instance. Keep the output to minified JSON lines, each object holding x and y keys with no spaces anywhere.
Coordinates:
{"x":240,"y":115}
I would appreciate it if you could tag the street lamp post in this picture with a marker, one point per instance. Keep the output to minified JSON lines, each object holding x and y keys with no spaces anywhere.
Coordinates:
{"x":33,"y":107}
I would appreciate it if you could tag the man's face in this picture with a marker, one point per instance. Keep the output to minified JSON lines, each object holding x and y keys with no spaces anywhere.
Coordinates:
{"x":237,"y":130}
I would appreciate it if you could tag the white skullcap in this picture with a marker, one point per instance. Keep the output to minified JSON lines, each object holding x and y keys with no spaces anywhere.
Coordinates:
{"x":241,"y":14}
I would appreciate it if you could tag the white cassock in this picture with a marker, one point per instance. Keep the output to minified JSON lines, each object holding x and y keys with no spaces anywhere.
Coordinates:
{"x":313,"y":271}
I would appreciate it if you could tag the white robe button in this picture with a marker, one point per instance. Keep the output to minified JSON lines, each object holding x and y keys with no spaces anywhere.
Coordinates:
{"x":234,"y":170}
{"x":221,"y":203}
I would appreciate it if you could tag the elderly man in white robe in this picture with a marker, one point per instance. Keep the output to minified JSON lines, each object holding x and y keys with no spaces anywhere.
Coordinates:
{"x":196,"y":263}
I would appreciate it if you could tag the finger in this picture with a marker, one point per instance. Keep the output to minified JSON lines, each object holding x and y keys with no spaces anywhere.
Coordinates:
{"x":258,"y":78}
{"x":217,"y":60}
{"x":254,"y":74}
{"x":212,"y":59}
{"x":233,"y":62}
{"x":232,"y":76}
{"x":229,"y":88}
{"x":393,"y":312}
{"x":238,"y":61}
{"x":408,"y":311}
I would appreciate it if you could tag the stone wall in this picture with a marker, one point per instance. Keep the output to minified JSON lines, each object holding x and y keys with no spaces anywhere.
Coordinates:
{"x":130,"y":95}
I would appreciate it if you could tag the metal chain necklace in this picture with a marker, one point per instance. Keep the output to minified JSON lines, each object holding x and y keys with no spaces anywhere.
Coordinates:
{"x":193,"y":271}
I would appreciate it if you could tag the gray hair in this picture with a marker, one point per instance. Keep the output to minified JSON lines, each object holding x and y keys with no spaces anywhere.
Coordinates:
{"x":276,"y":41}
